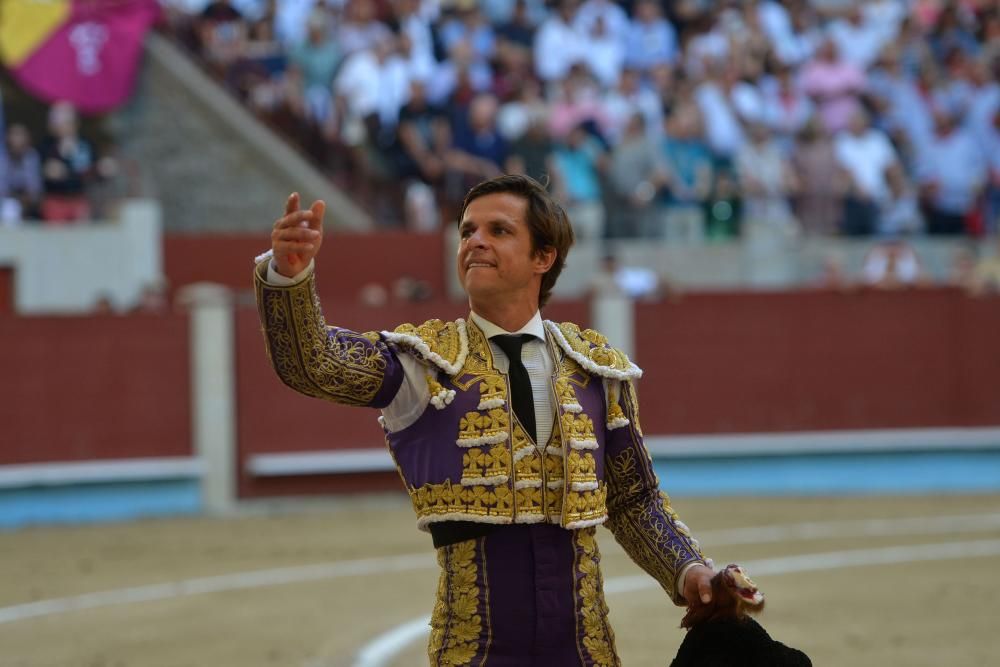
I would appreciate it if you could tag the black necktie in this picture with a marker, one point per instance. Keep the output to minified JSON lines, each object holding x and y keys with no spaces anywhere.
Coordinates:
{"x":520,"y":384}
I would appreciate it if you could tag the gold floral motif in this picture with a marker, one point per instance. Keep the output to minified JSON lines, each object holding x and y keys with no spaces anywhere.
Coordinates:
{"x":581,"y":467}
{"x":594,"y":346}
{"x":492,"y":391}
{"x":457,"y":621}
{"x":529,"y":503}
{"x":491,"y":503}
{"x":579,"y":506}
{"x":335,"y":364}
{"x":566,"y":395}
{"x":478,"y":465}
{"x":598,"y":638}
{"x":577,"y":426}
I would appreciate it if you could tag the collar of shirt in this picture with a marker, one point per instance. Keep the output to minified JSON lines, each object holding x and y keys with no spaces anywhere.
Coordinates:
{"x":534,"y":326}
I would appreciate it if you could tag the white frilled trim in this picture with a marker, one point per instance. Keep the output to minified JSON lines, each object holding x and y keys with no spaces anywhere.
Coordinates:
{"x":633,"y":372}
{"x":582,"y":444}
{"x":494,"y":439}
{"x":572,"y":407}
{"x":528,"y":484}
{"x":682,"y":528}
{"x":529,"y":518}
{"x":554,"y":451}
{"x":261,"y":257}
{"x":485,"y":481}
{"x":555,"y":484}
{"x":381,"y":421}
{"x":490,"y":403}
{"x":583,"y":486}
{"x":420,"y":346}
{"x":441,"y":399}
{"x":618,"y":422}
{"x":575,"y":525}
{"x":425,"y":521}
{"x":521,"y":453}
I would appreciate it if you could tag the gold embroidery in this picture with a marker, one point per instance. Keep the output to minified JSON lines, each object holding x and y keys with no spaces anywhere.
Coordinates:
{"x":457,"y":622}
{"x":325,"y":362}
{"x":479,"y":429}
{"x":492,"y":392}
{"x":481,"y":467}
{"x":491,"y":504}
{"x":648,"y":529}
{"x":443,"y":339}
{"x":581,"y":467}
{"x":578,"y":429}
{"x":598,"y":638}
{"x":593,"y":347}
{"x":584,"y":506}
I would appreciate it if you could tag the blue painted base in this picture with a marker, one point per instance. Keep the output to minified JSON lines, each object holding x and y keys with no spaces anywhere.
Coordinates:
{"x":86,"y":503}
{"x":823,"y":474}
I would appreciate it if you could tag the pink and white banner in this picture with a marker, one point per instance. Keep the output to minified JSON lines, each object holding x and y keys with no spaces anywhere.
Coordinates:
{"x":84,"y":51}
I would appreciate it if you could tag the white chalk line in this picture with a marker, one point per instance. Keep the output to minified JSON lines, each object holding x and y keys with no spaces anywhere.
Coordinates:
{"x":381,"y":650}
{"x":406,"y":562}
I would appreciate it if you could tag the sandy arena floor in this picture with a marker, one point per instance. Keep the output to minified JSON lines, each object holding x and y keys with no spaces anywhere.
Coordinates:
{"x":861,"y":582}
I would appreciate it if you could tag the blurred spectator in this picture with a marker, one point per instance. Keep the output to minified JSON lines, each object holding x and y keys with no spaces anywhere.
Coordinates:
{"x":690,"y":173}
{"x":360,"y":29}
{"x":605,"y":53}
{"x":221,"y":33}
{"x":723,"y":128}
{"x":478,"y":145}
{"x":558,"y":43}
{"x":650,"y":39}
{"x":578,"y":100}
{"x":628,"y":98}
{"x":952,"y":32}
{"x":786,"y":107}
{"x":822,"y":181}
{"x":635,"y":174}
{"x":532,"y":152}
{"x":576,"y":178}
{"x":873,"y":166}
{"x":834,"y":84}
{"x":892,"y":264}
{"x":951,"y":172}
{"x":609,"y":13}
{"x":636,"y":282}
{"x":22,"y":179}
{"x":424,"y":135}
{"x":312,"y":65}
{"x":470,"y":26}
{"x":859,"y":36}
{"x":765,"y":180}
{"x":67,"y":162}
{"x":371,"y":87}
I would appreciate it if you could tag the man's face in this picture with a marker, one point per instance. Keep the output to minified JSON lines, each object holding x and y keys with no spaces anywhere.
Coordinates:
{"x":495,"y":259}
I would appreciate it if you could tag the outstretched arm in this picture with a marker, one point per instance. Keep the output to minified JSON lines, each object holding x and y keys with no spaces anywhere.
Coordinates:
{"x":640,"y":515}
{"x":317,"y":360}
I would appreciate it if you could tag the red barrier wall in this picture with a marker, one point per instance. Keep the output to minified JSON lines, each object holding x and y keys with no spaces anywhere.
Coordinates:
{"x":228,"y":260}
{"x":816,"y":361}
{"x":83,"y":388}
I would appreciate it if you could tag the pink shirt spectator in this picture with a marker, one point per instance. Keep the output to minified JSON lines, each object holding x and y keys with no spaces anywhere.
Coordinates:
{"x":834,"y":85}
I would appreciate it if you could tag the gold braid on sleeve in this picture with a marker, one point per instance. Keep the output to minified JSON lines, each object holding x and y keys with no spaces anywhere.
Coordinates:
{"x":312,"y":358}
{"x":639,"y":514}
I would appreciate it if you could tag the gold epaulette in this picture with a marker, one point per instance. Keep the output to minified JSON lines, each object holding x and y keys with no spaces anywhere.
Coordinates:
{"x":444,"y":344}
{"x":591,"y":350}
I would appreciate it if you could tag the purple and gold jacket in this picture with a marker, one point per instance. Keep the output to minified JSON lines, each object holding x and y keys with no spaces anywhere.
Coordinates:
{"x":467,"y":458}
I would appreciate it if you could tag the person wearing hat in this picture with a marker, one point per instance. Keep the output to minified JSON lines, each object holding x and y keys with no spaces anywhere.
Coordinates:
{"x":515,"y":436}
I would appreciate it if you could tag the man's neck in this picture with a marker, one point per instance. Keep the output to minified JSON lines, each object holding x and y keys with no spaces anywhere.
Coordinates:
{"x":511,"y":318}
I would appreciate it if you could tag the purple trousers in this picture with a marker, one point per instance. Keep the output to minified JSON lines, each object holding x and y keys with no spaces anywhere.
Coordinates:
{"x":522,"y":596}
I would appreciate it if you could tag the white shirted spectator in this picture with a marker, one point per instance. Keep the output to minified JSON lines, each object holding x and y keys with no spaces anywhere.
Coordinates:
{"x":786,"y":107}
{"x":558,"y":44}
{"x":291,"y":20}
{"x":651,"y":39}
{"x":792,"y":46}
{"x":859,"y":41}
{"x":374,"y":81}
{"x":867,"y":155}
{"x":722,"y":125}
{"x":605,"y":54}
{"x":417,"y":29}
{"x":360,"y":28}
{"x":614,"y":17}
{"x":953,"y":165}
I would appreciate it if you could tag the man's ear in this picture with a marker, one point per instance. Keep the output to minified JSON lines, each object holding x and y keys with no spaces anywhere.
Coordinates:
{"x":544,"y":259}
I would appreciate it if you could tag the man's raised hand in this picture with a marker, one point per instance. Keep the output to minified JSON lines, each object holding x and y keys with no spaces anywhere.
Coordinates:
{"x":297,"y":236}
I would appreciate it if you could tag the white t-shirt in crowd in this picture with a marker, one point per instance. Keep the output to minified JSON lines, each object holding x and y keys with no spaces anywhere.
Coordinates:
{"x":866,"y":158}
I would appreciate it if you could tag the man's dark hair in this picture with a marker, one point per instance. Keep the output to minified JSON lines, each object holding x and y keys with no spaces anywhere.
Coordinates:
{"x":547,"y":221}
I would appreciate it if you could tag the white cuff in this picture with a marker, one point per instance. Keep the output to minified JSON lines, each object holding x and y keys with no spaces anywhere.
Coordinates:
{"x":278,"y":280}
{"x":679,"y":581}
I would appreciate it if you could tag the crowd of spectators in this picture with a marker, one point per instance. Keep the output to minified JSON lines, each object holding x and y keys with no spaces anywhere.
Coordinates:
{"x":49,"y":180}
{"x":682,"y":120}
